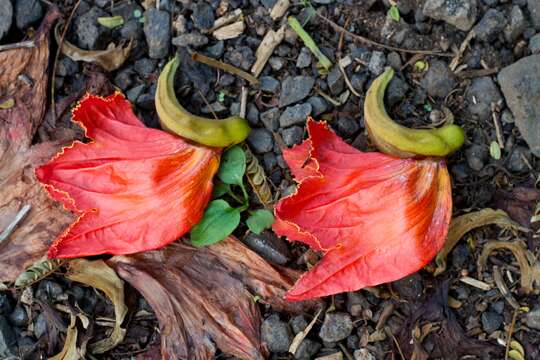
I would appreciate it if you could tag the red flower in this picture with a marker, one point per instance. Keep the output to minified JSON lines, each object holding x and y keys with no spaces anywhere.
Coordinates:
{"x":133,"y":188}
{"x":376,"y":218}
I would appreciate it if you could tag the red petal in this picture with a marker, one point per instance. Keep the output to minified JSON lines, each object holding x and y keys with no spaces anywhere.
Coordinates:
{"x":379,"y":218}
{"x":134,"y":188}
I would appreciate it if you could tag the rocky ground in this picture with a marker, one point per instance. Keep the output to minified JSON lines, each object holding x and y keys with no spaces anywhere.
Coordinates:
{"x":492,"y":89}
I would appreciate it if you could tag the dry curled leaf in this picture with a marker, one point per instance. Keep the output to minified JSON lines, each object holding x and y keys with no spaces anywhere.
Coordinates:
{"x":18,"y":156}
{"x":450,"y":341}
{"x":257,"y":178}
{"x":100,"y":276}
{"x":110,"y":59}
{"x":463,"y":224}
{"x":71,"y":351}
{"x":206,"y":296}
{"x":528,"y":265}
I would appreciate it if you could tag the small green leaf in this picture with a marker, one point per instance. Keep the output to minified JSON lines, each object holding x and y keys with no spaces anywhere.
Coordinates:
{"x":393,"y":13}
{"x":220,"y":189}
{"x":221,"y":96}
{"x":233,"y":166}
{"x":111,"y":22}
{"x":495,"y":150}
{"x":260,"y":220}
{"x":137,"y":13}
{"x":428,"y":107}
{"x":421,"y":65}
{"x":218,"y":222}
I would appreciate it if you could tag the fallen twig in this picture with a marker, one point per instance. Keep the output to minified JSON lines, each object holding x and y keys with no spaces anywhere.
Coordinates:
{"x":342,"y":64}
{"x":56,"y":57}
{"x":266,"y":48}
{"x":498,"y":130}
{"x":13,"y":225}
{"x":455,"y":61}
{"x":279,"y":9}
{"x":225,"y":67}
{"x":22,"y":44}
{"x":376,"y":44}
{"x":469,"y":74}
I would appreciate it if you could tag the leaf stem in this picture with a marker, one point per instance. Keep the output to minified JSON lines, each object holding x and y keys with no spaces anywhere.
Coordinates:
{"x":225,"y":67}
{"x":231,"y":194}
{"x":309,"y":42}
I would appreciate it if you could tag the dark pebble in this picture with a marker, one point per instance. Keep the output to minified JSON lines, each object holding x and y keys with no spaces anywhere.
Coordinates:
{"x":516,"y":162}
{"x":358,"y":81}
{"x":157,"y":30}
{"x":307,"y":350}
{"x":6,"y":305}
{"x":27,"y":12}
{"x":491,"y":321}
{"x":269,"y":247}
{"x":276,"y":334}
{"x":335,"y":81}
{"x":240,"y":56}
{"x":269,"y":84}
{"x":397,"y":89}
{"x":6,"y":17}
{"x":260,"y":141}
{"x":480,"y":94}
{"x":49,"y":290}
{"x":294,"y":89}
{"x":298,"y":323}
{"x":18,"y":316}
{"x":439,"y":80}
{"x":145,"y":67}
{"x":67,"y":67}
{"x":8,"y":340}
{"x":134,"y":93}
{"x":269,"y":162}
{"x":40,"y":326}
{"x":90,"y":35}
{"x":336,"y":327}
{"x":318,"y":105}
{"x":217,"y":50}
{"x":295,"y":115}
{"x":353,"y":342}
{"x":252,"y":114}
{"x":460,"y":256}
{"x":489,"y":27}
{"x":347,"y":126}
{"x":123,"y":79}
{"x":203,"y":15}
{"x":477,"y":155}
{"x":270,"y":119}
{"x":293,"y":135}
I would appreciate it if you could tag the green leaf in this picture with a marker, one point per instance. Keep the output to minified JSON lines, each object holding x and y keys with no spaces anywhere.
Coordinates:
{"x":495,"y":150}
{"x":421,"y":65}
{"x":393,"y":13}
{"x":111,"y":22}
{"x":220,"y":189}
{"x":233,"y":166}
{"x":260,"y":220}
{"x":221,"y":96}
{"x":218,"y":222}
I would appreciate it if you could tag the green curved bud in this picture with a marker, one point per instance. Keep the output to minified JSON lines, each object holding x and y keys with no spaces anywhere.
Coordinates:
{"x":394,"y":139}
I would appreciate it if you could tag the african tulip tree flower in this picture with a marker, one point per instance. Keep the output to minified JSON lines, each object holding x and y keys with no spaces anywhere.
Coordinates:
{"x":376,"y":217}
{"x":133,"y":188}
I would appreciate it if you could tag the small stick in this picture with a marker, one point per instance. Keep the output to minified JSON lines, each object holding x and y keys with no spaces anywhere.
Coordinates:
{"x":266,"y":48}
{"x":279,"y":9}
{"x":455,"y":61}
{"x":208,"y":104}
{"x":18,"y":218}
{"x":309,"y":42}
{"x":497,"y":124}
{"x":468,"y":74}
{"x":56,"y":57}
{"x":510,"y":331}
{"x":376,"y":44}
{"x":22,"y":44}
{"x":476,"y":283}
{"x":346,"y":78}
{"x":225,"y":67}
{"x":243,"y":102}
{"x":498,"y":278}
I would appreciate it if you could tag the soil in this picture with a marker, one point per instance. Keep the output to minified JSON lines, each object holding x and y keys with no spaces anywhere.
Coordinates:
{"x":377,"y":323}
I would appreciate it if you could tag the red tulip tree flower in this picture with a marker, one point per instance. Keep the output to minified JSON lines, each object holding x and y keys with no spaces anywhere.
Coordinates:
{"x":133,"y":188}
{"x":376,"y":217}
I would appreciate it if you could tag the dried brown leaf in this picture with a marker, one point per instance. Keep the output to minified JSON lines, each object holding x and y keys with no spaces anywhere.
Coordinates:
{"x":257,"y":178}
{"x":463,"y":224}
{"x":70,"y":351}
{"x":23,"y":77}
{"x":529,"y":267}
{"x":207,"y":295}
{"x":230,"y":31}
{"x":450,"y":341}
{"x":100,"y":276}
{"x":110,"y":59}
